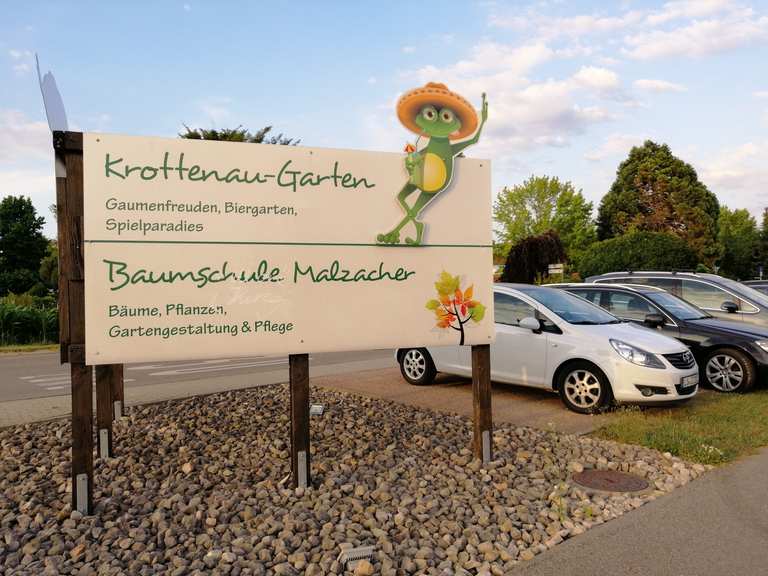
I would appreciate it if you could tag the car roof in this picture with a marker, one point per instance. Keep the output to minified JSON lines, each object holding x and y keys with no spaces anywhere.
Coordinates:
{"x":673,"y":273}
{"x":641,"y":288}
{"x":519,"y":286}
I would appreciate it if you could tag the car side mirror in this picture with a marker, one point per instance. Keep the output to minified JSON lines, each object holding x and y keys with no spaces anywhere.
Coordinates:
{"x":531,"y":324}
{"x":730,"y":307}
{"x":654,"y":320}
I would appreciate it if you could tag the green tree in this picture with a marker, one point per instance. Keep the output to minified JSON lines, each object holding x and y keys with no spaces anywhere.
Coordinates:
{"x":740,"y":240}
{"x":49,"y":267}
{"x":22,"y":244}
{"x":238,"y":134}
{"x":638,"y":251}
{"x":655,"y":191}
{"x":540,"y":204}
{"x":764,"y":242}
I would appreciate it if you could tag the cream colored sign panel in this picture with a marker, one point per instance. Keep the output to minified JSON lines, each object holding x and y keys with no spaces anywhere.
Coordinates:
{"x":212,"y":249}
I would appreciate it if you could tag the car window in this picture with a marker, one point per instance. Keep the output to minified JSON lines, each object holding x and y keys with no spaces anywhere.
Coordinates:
{"x":629,"y":306}
{"x":744,"y":290}
{"x":704,"y":295}
{"x":671,"y":285}
{"x":567,"y":306}
{"x":510,"y":310}
{"x":588,"y":295}
{"x":677,"y":307}
{"x":547,"y":325}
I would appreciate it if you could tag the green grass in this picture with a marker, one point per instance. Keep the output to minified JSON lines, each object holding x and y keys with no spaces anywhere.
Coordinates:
{"x":710,"y":429}
{"x":27,"y":347}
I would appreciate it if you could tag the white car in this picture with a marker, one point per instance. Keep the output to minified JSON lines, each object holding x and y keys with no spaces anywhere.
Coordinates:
{"x":548,"y":338}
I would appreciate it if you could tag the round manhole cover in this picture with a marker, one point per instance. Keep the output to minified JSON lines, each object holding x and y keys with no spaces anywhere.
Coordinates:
{"x":610,"y":481}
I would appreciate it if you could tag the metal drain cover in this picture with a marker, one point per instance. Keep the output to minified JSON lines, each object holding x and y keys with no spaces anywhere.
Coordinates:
{"x":610,"y":481}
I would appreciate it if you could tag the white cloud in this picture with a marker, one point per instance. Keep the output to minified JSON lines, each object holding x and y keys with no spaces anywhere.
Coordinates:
{"x":589,"y":24}
{"x":525,"y":114}
{"x":21,"y":60}
{"x":608,"y":61}
{"x":615,"y":145}
{"x":687,"y":9}
{"x":699,"y":37}
{"x":548,"y":27}
{"x":600,"y":79}
{"x":187,"y":7}
{"x":21,"y":138}
{"x":738,"y":175}
{"x":761,"y":94}
{"x":650,"y":85}
{"x":26,"y":162}
{"x":372,"y":80}
{"x":493,"y":63}
{"x":408,"y":49}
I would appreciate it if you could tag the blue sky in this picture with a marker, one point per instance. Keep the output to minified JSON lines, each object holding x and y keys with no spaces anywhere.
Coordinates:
{"x":572,"y":85}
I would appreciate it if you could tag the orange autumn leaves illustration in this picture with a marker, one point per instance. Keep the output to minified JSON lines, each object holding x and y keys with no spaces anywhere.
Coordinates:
{"x":454,"y":306}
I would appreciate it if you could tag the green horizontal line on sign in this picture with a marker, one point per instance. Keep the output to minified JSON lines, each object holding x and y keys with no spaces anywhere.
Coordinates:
{"x":285,"y":243}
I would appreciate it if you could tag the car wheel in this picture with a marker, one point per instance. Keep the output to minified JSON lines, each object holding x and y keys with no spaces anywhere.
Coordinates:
{"x":417,"y":367}
{"x":730,"y":371}
{"x":584,"y":388}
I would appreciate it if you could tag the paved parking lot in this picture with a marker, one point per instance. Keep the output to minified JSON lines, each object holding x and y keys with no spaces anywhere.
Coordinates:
{"x":511,"y":404}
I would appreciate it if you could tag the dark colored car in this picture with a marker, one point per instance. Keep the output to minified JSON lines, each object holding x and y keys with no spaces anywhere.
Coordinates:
{"x":719,"y":296}
{"x":732,"y":356}
{"x":759,"y":285}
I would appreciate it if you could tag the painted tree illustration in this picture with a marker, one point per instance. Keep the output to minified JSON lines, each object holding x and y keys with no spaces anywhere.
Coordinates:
{"x":455,"y":307}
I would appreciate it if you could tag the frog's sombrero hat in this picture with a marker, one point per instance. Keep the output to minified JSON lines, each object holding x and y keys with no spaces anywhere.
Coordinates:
{"x":438,"y":95}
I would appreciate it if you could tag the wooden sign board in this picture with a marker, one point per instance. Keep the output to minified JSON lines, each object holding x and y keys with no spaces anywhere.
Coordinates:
{"x":197,"y":249}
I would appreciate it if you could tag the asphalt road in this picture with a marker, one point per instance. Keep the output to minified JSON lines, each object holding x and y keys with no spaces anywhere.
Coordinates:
{"x":31,"y":375}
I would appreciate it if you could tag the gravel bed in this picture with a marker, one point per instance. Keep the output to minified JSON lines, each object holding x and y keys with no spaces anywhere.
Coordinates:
{"x":196,"y":490}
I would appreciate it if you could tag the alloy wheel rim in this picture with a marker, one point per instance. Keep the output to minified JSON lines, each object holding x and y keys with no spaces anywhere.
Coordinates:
{"x":583,"y":388}
{"x":414,"y":364}
{"x":724,"y":373}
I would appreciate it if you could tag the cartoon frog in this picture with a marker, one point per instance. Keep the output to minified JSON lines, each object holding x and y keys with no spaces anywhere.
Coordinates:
{"x":446,"y":119}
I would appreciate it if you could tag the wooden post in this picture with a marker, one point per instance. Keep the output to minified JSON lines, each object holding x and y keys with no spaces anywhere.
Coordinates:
{"x":105,"y":377}
{"x":68,"y":147}
{"x":481,"y":400}
{"x":118,"y":391}
{"x":298,"y":366}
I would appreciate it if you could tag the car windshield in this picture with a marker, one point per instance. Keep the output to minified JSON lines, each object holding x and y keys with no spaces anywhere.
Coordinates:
{"x":744,"y":290}
{"x":677,"y":307}
{"x":570,"y":308}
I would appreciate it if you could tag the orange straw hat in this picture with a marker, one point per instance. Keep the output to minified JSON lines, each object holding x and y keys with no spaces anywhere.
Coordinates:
{"x":437,"y":95}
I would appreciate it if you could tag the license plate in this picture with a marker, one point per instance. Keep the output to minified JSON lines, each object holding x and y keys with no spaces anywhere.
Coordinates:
{"x":688,"y":381}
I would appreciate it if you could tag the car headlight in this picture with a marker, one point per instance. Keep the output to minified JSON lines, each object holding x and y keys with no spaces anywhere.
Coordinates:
{"x":636,"y":355}
{"x":763,"y":344}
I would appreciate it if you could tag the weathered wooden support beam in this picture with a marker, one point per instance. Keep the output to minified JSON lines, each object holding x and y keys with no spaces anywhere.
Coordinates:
{"x":68,"y":148}
{"x":298,"y":366}
{"x":105,"y":376}
{"x":118,"y":391}
{"x":481,"y":402}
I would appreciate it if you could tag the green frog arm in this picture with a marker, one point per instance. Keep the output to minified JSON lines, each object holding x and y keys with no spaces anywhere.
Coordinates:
{"x":457,"y":148}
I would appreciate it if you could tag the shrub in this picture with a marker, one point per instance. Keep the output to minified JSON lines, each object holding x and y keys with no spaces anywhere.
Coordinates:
{"x":26,"y":319}
{"x":530,"y":258}
{"x":637,"y":251}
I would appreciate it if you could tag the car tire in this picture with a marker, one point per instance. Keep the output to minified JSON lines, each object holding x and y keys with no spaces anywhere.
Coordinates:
{"x":584,"y":388}
{"x":417,"y":367}
{"x":729,"y":371}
